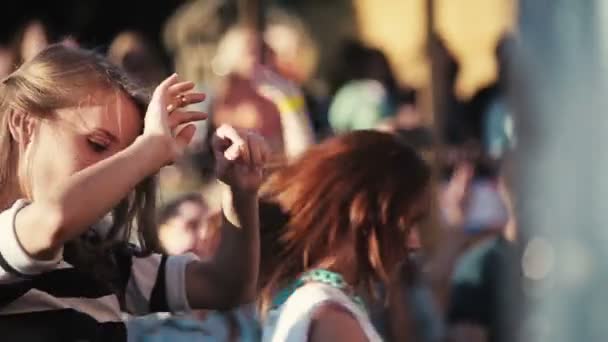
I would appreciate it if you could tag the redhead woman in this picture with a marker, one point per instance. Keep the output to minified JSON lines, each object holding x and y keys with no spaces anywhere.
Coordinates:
{"x":350,"y":203}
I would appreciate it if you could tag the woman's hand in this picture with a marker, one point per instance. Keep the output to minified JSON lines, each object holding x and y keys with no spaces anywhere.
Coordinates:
{"x":166,"y":112}
{"x":230,"y":278}
{"x":240,"y":157}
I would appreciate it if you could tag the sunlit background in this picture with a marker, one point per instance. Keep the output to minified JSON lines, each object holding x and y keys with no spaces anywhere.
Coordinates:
{"x":557,"y":90}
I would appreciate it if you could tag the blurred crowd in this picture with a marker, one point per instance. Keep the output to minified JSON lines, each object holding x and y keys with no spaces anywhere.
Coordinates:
{"x":455,"y":279}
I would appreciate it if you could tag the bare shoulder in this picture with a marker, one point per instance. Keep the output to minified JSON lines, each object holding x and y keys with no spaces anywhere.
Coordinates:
{"x":333,"y":322}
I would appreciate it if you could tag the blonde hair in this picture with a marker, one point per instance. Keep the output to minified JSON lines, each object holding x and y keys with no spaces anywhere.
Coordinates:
{"x":60,"y":77}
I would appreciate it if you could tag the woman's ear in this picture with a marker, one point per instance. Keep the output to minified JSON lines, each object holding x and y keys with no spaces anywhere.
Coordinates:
{"x":21,"y":125}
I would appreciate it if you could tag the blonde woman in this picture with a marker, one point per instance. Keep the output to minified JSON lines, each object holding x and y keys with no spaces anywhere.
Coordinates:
{"x":77,"y":141}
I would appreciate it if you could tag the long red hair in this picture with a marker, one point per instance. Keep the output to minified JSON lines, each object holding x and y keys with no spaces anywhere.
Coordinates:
{"x":353,"y":199}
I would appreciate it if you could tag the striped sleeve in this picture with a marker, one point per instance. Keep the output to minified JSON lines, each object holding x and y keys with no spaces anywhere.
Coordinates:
{"x":15,"y":263}
{"x":156,"y":283}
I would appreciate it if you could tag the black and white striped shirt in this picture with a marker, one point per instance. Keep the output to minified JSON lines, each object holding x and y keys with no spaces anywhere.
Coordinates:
{"x":53,"y":301}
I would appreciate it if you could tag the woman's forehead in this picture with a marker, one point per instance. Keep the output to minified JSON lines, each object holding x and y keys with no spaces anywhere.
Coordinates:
{"x":113,"y":112}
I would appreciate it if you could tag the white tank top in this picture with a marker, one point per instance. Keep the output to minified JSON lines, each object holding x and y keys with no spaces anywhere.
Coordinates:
{"x":290,"y":322}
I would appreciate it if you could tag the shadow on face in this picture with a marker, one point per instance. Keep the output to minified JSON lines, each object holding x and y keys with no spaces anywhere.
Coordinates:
{"x":77,"y":137}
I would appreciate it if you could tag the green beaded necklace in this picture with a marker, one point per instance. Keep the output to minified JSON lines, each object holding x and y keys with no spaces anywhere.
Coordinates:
{"x":318,"y":275}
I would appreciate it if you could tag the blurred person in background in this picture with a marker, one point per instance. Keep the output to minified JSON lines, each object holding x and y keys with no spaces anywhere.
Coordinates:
{"x":485,"y":284}
{"x":195,"y":29}
{"x":237,"y":100}
{"x":406,"y":117}
{"x":255,"y":96}
{"x":32,"y":38}
{"x":183,"y":227}
{"x":228,"y":69}
{"x":243,"y":92}
{"x":134,"y":53}
{"x":186,"y":225}
{"x":350,"y":202}
{"x":63,"y":276}
{"x":296,"y":59}
{"x":191,"y":36}
{"x":498,"y":132}
{"x":358,"y":61}
{"x":295,"y":51}
{"x":409,"y":124}
{"x":367,"y":91}
{"x":485,"y":118}
{"x":7,"y":61}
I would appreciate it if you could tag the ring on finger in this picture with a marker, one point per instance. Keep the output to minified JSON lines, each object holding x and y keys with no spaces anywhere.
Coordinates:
{"x":171,"y":107}
{"x":182,"y":99}
{"x":181,"y":102}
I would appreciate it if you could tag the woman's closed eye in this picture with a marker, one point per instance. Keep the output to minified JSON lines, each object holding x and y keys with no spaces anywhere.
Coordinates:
{"x":100,"y":140}
{"x":97,"y":146}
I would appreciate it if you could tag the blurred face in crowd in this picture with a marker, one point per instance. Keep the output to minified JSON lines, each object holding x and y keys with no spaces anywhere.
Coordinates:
{"x":34,"y":40}
{"x":294,"y":57}
{"x":238,"y":52}
{"x":6,"y":61}
{"x":54,"y":148}
{"x":188,"y":231}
